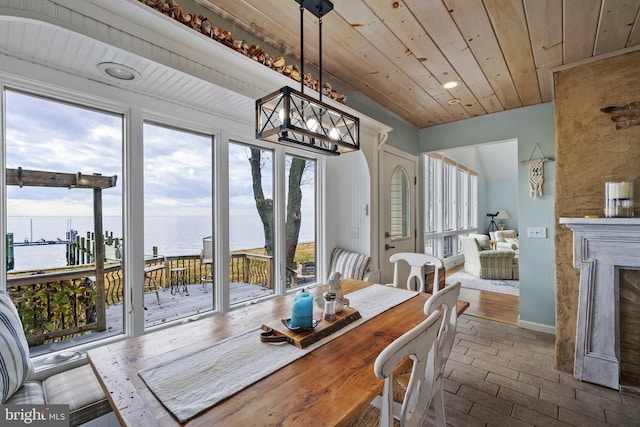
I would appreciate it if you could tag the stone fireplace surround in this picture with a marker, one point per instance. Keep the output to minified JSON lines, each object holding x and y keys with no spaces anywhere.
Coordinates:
{"x":601,"y":248}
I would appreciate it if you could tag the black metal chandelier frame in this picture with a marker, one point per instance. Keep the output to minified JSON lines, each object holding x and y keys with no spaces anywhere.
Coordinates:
{"x":291,"y":117}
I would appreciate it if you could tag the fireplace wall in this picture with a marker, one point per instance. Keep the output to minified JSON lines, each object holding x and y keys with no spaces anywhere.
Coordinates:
{"x":588,"y":146}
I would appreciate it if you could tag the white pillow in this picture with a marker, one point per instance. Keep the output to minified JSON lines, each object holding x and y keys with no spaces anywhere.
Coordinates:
{"x":15,"y":361}
{"x":514,"y":241}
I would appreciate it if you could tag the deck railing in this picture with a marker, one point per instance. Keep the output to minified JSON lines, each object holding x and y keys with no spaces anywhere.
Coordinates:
{"x":62,"y":304}
{"x":55,"y":305}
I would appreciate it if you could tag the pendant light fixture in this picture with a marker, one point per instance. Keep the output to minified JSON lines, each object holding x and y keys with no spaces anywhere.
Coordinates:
{"x":293,"y":118}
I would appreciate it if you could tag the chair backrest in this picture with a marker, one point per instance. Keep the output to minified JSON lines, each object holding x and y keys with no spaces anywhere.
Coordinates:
{"x":416,"y":344}
{"x":417,"y":262}
{"x":206,"y":256}
{"x":445,"y":302}
{"x":470,"y":246}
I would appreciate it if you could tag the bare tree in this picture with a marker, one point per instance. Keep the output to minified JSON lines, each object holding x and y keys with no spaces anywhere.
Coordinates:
{"x":294,"y":203}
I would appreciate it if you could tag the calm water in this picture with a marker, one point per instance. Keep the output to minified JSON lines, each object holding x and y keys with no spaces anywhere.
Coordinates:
{"x":172,"y":236}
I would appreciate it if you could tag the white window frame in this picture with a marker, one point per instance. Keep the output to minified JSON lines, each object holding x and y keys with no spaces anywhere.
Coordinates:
{"x":450,"y":208}
{"x":137,"y":110}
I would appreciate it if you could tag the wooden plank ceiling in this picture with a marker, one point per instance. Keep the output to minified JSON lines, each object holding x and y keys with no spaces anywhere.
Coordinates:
{"x":398,"y":53}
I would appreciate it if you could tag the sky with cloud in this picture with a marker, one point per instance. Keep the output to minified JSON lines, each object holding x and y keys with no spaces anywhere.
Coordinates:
{"x":53,"y":136}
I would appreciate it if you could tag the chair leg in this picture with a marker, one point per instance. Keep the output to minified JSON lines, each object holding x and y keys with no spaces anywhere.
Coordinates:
{"x":438,"y":406}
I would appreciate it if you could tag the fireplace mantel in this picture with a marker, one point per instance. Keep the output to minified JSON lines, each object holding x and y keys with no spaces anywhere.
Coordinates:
{"x":601,"y":247}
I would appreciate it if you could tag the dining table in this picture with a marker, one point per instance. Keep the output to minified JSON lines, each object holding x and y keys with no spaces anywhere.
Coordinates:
{"x":328,"y":386}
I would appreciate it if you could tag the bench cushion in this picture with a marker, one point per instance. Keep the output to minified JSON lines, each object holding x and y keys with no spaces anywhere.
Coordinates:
{"x":30,"y":393}
{"x":15,"y":362}
{"x":350,"y":265}
{"x":79,"y":388}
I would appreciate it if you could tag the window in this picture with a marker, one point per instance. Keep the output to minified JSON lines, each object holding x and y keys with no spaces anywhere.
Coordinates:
{"x":399,"y":204}
{"x":53,"y":228}
{"x":461,"y":198}
{"x":300,"y":229}
{"x":472,"y":209}
{"x":156,"y":222}
{"x":251,"y":222}
{"x":450,"y":204}
{"x":448,"y":246}
{"x":449,"y":196}
{"x":177,"y":223}
{"x":431,"y":196}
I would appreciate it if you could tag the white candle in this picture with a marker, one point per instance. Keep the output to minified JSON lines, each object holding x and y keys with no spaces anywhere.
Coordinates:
{"x":623,"y":190}
{"x":618,"y":190}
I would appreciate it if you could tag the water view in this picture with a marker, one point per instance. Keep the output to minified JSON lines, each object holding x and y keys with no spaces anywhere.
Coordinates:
{"x":170,"y":234}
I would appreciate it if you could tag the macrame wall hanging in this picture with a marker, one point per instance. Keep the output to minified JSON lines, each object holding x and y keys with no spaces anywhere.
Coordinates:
{"x":536,"y":172}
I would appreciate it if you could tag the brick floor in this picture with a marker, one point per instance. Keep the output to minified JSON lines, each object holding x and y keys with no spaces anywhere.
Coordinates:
{"x":502,"y":375}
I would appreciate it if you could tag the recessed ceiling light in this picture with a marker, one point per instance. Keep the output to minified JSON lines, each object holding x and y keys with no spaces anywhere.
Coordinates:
{"x":118,"y":71}
{"x":450,"y":84}
{"x":453,"y":101}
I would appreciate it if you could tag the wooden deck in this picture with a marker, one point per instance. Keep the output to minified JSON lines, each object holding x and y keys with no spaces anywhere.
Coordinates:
{"x":183,"y":305}
{"x":172,"y":307}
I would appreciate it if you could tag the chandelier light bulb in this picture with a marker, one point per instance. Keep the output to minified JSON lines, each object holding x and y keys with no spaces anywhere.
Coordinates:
{"x":312,"y":125}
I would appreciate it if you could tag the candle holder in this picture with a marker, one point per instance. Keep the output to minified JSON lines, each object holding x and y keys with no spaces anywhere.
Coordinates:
{"x":618,"y":196}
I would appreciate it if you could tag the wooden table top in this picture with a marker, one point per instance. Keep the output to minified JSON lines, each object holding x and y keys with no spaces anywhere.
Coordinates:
{"x":329,"y":386}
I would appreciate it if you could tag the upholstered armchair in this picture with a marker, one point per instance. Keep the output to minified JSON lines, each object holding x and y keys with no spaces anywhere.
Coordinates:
{"x":506,"y":239}
{"x":482,"y":261}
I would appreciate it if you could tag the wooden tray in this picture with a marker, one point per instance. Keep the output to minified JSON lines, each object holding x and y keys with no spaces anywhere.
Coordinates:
{"x":305,"y":337}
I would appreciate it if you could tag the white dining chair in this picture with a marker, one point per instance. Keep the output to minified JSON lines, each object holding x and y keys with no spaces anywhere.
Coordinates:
{"x":417,"y":344}
{"x":417,"y":262}
{"x":444,"y":302}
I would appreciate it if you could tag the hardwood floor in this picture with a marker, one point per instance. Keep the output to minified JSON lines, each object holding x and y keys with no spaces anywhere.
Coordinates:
{"x":489,"y":305}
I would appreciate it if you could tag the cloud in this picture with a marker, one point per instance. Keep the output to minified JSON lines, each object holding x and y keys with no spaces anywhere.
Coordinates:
{"x":42,"y":134}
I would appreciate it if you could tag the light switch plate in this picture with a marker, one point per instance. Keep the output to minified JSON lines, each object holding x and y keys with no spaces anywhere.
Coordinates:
{"x":537,"y":232}
{"x":354,"y":232}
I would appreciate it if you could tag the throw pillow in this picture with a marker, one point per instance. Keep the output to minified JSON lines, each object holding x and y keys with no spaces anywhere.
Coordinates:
{"x":484,"y":242}
{"x":15,"y":361}
{"x":350,"y":265}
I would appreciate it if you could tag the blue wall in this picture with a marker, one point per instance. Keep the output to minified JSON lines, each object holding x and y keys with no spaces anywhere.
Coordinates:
{"x":502,"y":194}
{"x":530,"y":126}
{"x":403,"y":136}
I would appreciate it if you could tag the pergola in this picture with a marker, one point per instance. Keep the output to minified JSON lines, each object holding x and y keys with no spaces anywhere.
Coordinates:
{"x":95,"y":182}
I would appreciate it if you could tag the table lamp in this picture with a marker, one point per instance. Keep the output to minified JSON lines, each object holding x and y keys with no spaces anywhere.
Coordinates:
{"x":502,"y":214}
